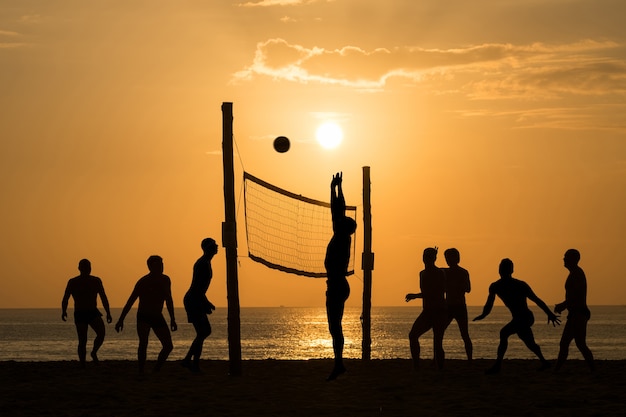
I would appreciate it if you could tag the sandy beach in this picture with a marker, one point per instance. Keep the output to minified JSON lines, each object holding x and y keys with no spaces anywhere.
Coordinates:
{"x":298,"y":388}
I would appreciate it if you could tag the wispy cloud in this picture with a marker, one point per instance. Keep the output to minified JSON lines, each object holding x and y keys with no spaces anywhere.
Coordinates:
{"x":31,"y":19}
{"x":599,"y":117}
{"x":270,"y":3}
{"x":487,"y":71}
{"x":279,"y":60}
{"x":9,"y":40}
{"x":288,"y":19}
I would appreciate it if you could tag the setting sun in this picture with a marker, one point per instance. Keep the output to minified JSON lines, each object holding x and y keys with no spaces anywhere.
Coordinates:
{"x":329,"y":135}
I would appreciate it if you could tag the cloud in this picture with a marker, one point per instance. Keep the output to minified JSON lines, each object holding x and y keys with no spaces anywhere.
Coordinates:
{"x":577,"y":69}
{"x":7,"y":40}
{"x":279,"y":60}
{"x":486,"y":71}
{"x":599,"y":117}
{"x":31,"y":19}
{"x":288,"y":19}
{"x":11,"y":45}
{"x":270,"y":3}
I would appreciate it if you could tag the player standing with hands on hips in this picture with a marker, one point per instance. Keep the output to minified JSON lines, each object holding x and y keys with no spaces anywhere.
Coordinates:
{"x":336,"y":263}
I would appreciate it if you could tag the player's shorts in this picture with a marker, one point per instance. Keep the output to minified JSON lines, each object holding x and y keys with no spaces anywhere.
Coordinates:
{"x":337,"y":290}
{"x":523,"y":320}
{"x":155,"y":321}
{"x":579,"y":313}
{"x":432,"y":318}
{"x":196,"y":306}
{"x":457,"y":311}
{"x":86,"y":316}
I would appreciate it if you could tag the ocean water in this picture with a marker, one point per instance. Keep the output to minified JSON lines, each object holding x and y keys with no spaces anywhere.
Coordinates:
{"x":301,"y":333}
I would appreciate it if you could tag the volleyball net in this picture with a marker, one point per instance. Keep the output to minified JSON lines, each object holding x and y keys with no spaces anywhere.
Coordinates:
{"x":287,"y":231}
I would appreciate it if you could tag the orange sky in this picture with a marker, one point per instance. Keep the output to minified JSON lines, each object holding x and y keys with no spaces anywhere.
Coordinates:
{"x":494,"y":127}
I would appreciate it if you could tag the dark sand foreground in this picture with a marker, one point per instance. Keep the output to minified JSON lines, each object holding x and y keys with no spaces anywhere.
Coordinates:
{"x":298,"y":388}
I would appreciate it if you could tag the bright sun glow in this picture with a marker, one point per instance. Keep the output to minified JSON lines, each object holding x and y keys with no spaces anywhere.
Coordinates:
{"x":329,"y":135}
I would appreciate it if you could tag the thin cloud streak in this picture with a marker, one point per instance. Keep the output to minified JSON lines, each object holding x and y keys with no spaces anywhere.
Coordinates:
{"x":12,"y":45}
{"x":597,"y":117}
{"x":9,"y":41}
{"x":31,"y":19}
{"x":272,"y":3}
{"x":8,"y":33}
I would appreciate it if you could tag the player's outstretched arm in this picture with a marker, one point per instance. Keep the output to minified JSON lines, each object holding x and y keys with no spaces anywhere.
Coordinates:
{"x":487,"y":308}
{"x":551,"y":316}
{"x":412,"y":296}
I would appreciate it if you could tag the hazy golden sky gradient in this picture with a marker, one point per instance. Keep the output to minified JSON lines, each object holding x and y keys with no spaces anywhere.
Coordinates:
{"x":497,"y":127}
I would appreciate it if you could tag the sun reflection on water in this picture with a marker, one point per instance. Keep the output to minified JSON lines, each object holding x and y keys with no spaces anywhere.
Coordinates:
{"x":300,"y":334}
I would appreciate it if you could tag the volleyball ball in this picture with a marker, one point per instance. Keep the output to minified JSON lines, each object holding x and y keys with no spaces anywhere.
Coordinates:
{"x":281,"y":144}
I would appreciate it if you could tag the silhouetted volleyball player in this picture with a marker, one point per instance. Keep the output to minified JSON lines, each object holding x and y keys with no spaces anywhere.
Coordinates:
{"x":514,"y":293}
{"x":153,"y":290}
{"x":457,"y":284}
{"x":578,"y":312}
{"x":197,"y":305}
{"x":336,"y":263}
{"x":433,"y":315}
{"x":84,"y":289}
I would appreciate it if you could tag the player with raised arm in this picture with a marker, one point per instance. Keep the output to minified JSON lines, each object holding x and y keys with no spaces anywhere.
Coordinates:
{"x":336,"y":263}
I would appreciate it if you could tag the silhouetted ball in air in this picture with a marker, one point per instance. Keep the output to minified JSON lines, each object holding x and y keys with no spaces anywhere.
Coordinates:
{"x":281,"y":144}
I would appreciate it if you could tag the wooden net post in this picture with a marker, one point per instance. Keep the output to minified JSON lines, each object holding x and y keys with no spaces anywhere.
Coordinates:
{"x":229,"y":241}
{"x":367,"y":262}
